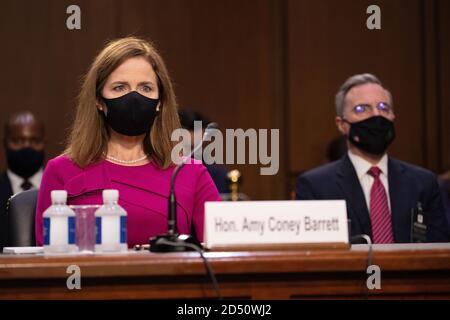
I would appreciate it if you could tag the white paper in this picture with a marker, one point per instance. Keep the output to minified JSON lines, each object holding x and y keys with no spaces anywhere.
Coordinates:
{"x":23,"y":250}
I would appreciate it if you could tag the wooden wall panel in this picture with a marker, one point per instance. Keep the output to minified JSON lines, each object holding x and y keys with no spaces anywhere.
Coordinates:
{"x":245,"y":64}
{"x":328,"y":42}
{"x":443,"y":14}
{"x":44,"y":61}
{"x":220,"y":54}
{"x":221,"y":58}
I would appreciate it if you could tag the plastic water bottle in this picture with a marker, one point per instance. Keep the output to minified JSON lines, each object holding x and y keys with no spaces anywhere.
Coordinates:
{"x":59,"y":225}
{"x":111,"y":224}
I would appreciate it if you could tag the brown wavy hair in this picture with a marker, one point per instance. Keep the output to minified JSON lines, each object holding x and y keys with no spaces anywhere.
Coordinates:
{"x":89,"y":135}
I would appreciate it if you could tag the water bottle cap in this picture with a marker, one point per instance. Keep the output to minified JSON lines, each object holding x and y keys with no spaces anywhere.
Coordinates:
{"x":59,"y":196}
{"x":110,"y":195}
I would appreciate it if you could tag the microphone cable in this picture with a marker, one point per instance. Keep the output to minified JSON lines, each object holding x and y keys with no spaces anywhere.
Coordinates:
{"x":208,"y":267}
{"x":369,"y":255}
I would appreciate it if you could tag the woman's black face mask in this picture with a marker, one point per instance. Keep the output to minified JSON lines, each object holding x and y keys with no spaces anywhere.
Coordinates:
{"x":131,"y":114}
{"x":372,"y":135}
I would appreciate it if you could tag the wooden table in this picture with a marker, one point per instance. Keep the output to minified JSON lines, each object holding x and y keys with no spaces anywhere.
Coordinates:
{"x":407,"y":271}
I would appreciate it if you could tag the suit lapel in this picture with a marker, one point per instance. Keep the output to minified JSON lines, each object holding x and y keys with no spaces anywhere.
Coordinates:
{"x":399,"y":195}
{"x":354,"y":195}
{"x":5,"y":187}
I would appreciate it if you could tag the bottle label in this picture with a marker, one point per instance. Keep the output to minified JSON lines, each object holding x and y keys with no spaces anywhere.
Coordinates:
{"x":71,"y":230}
{"x":98,"y":230}
{"x":123,"y":229}
{"x":46,"y":231}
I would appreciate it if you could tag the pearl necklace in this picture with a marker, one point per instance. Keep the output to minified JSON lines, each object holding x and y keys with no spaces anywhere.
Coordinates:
{"x":126,"y":161}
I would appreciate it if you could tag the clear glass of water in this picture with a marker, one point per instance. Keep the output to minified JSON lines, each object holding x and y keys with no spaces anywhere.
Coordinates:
{"x":85,"y":227}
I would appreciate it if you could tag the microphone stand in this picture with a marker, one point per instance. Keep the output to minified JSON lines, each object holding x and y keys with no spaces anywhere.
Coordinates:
{"x":172,"y":241}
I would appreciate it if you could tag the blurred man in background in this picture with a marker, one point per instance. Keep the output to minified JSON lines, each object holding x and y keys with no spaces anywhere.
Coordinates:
{"x":24,"y":150}
{"x":218,"y":172}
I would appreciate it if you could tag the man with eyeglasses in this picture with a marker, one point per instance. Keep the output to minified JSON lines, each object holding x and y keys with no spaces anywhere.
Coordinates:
{"x":387,"y":199}
{"x":24,"y":149}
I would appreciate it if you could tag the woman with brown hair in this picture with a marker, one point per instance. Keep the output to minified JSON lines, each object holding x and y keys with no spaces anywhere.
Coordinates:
{"x":121,"y":139}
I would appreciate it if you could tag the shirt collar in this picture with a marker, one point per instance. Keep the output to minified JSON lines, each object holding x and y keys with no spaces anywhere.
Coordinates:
{"x":36,"y":178}
{"x":16,"y":180}
{"x":362,"y":166}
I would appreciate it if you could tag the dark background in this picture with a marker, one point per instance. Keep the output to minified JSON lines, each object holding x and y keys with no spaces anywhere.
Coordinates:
{"x":245,"y":64}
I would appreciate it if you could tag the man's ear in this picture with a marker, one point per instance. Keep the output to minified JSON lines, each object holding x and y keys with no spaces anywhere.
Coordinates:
{"x":341,"y":125}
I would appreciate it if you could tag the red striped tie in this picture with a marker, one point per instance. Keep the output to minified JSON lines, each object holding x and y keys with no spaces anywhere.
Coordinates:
{"x":379,"y":210}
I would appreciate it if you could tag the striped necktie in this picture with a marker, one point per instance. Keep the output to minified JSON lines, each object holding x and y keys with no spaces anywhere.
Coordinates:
{"x":379,"y":210}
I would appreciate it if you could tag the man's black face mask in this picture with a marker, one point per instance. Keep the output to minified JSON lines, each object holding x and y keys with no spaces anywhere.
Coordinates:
{"x":372,"y":135}
{"x":24,"y":162}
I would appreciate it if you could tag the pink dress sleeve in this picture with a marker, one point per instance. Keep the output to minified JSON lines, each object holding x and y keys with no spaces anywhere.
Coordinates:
{"x":205,"y":191}
{"x":51,"y":180}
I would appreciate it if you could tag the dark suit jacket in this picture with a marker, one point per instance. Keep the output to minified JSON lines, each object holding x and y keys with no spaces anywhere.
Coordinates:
{"x":219,"y":175}
{"x":408,"y":185}
{"x":5,"y":194}
{"x":444,"y":185}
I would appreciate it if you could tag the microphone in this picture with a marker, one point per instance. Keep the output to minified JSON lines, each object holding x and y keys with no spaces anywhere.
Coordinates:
{"x":172,"y":241}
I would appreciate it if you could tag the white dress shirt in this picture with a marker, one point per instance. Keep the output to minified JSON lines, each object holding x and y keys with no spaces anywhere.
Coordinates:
{"x":366,"y":180}
{"x":16,"y":181}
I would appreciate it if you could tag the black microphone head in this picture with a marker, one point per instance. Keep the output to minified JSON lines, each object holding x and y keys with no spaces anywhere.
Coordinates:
{"x":212,"y":125}
{"x":209,"y":128}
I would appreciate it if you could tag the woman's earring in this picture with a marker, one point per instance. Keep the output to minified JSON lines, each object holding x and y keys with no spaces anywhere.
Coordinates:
{"x":101,"y":110}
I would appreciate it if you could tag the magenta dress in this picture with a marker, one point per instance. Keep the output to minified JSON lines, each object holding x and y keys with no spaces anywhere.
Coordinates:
{"x":143,"y":193}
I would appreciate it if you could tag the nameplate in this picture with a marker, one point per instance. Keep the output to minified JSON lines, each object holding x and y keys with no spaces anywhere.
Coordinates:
{"x":238,"y":223}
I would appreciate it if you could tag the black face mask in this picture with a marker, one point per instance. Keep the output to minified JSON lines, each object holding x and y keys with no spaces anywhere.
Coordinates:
{"x":131,"y":114}
{"x":373,"y":135}
{"x":24,"y":162}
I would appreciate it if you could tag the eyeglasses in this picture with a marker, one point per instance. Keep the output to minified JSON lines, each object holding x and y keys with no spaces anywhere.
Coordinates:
{"x":384,"y":107}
